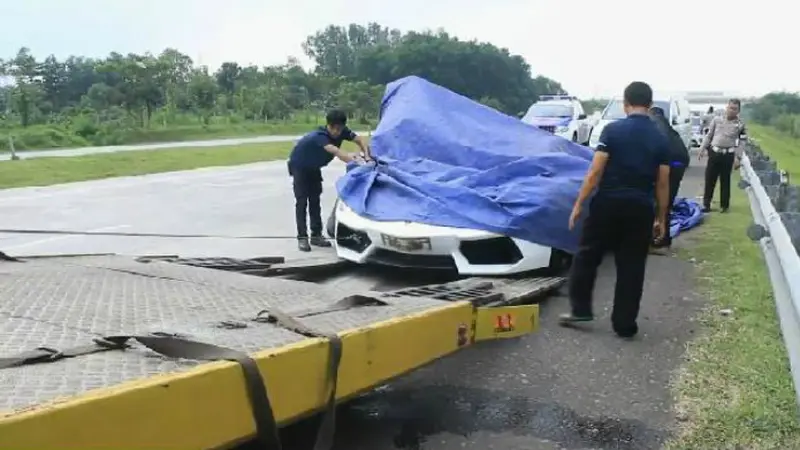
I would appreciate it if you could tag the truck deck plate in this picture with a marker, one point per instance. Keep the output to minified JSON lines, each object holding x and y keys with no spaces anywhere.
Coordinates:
{"x":61,"y":303}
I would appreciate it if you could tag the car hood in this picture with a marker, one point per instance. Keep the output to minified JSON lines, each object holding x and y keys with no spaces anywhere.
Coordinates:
{"x":548,"y":121}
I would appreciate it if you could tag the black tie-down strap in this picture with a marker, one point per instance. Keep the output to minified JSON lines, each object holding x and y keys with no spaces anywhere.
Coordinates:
{"x":327,"y":427}
{"x":175,"y":347}
{"x":4,"y":257}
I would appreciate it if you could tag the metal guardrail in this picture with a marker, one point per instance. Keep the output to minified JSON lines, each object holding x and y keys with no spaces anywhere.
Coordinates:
{"x":775,"y":204}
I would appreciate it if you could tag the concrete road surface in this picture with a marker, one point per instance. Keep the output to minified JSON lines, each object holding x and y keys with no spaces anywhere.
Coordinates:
{"x":28,"y":154}
{"x":254,"y":199}
{"x":558,"y":389}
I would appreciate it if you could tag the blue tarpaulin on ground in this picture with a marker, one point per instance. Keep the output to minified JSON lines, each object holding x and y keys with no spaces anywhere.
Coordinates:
{"x":449,"y":161}
{"x":686,"y":214}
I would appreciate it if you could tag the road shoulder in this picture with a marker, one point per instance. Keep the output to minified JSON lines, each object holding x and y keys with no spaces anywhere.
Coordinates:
{"x":735,"y":389}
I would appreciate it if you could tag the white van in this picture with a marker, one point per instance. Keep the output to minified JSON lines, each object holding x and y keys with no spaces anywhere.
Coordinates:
{"x":675,"y":107}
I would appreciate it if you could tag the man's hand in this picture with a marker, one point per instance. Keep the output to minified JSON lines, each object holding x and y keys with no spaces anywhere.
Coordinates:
{"x":737,"y":163}
{"x":576,"y":214}
{"x":367,"y":152}
{"x":700,"y":154}
{"x":659,"y":229}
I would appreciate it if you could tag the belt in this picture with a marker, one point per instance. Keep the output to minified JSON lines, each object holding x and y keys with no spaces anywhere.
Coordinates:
{"x":723,"y":150}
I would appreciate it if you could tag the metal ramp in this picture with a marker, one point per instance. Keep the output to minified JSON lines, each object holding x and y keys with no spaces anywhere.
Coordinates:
{"x":133,"y":396}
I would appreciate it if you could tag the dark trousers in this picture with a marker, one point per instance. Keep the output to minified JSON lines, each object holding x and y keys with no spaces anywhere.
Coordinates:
{"x":307,"y":187}
{"x":675,"y":179}
{"x":720,"y":166}
{"x":624,"y":228}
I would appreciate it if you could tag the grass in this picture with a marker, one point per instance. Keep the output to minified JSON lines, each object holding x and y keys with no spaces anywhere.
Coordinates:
{"x":53,"y":136}
{"x":735,"y":390}
{"x":55,"y":170}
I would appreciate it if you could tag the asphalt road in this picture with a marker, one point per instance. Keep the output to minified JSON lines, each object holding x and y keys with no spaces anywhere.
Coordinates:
{"x":28,"y":154}
{"x":557,"y":389}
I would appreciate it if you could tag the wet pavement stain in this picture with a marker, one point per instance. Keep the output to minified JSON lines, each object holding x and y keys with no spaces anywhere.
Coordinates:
{"x":428,"y":418}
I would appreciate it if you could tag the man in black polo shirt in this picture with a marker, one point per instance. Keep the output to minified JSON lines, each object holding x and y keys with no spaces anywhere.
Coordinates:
{"x":629,"y":169}
{"x":311,"y":153}
{"x":678,"y":162}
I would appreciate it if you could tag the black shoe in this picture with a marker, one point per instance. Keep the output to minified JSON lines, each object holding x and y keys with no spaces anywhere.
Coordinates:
{"x":566,"y":320}
{"x":319,"y":241}
{"x":627,"y":332}
{"x":723,"y":210}
{"x":707,"y":209}
{"x":302,"y":245}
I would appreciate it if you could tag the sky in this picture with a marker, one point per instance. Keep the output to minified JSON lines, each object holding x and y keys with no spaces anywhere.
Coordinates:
{"x":594,"y":48}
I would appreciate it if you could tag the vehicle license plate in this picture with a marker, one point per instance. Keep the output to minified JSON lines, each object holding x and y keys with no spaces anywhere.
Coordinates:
{"x":406,"y":244}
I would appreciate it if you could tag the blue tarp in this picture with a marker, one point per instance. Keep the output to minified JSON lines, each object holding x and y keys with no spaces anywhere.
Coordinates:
{"x":449,"y":161}
{"x":686,"y":214}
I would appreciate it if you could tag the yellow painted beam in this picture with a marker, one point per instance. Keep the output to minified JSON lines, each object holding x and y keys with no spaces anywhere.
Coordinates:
{"x":207,"y":407}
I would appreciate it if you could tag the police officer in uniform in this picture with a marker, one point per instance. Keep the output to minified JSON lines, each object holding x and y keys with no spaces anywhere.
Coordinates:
{"x":722,"y":145}
{"x":630,"y":169}
{"x":311,"y":153}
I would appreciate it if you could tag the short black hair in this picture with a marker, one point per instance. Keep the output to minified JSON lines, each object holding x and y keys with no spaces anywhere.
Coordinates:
{"x":736,"y":102}
{"x":710,"y":109}
{"x":336,"y":117}
{"x":638,"y":93}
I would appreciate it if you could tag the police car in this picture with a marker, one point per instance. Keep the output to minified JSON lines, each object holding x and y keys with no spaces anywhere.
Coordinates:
{"x":561,"y":115}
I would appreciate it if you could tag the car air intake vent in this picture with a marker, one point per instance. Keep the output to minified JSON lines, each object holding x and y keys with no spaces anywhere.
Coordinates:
{"x":500,"y":250}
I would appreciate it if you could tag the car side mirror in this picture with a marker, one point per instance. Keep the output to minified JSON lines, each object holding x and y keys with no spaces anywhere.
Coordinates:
{"x":674,"y":120}
{"x":581,"y":116}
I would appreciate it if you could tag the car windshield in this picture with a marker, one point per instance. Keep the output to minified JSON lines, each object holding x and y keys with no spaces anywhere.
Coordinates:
{"x":549,"y":110}
{"x":614,"y":109}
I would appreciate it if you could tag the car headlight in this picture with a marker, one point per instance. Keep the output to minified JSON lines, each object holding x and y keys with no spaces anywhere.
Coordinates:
{"x":562,"y":129}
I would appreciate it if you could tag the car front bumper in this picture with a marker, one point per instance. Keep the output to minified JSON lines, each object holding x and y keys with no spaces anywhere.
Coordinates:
{"x":405,"y":244}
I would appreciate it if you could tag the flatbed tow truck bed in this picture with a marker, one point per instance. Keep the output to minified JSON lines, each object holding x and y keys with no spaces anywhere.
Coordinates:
{"x":103,"y":351}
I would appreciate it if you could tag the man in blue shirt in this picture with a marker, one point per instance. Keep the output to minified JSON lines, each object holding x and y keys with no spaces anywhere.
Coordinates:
{"x":309,"y":155}
{"x":629,"y":169}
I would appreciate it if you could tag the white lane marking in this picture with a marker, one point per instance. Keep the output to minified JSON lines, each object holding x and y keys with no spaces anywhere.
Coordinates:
{"x":60,"y":238}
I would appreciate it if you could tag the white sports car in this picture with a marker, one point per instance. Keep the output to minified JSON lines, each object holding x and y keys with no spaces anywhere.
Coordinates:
{"x":408,"y":244}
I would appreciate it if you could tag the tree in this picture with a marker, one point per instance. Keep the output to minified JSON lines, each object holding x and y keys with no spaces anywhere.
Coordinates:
{"x":121,"y":98}
{"x":473,"y":69}
{"x":336,"y":50}
{"x":778,"y":109}
{"x":203,"y":93}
